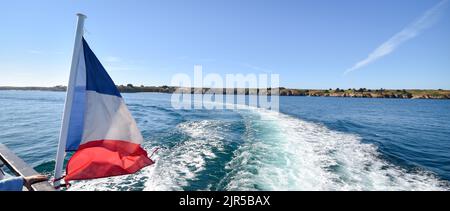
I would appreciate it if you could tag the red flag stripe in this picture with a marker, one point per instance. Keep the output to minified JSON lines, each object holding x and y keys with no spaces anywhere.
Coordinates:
{"x":105,"y":158}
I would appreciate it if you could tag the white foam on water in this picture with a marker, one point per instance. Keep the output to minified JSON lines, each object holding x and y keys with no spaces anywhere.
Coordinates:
{"x":177,"y":166}
{"x":279,"y":152}
{"x":285,"y":153}
{"x":174,"y":167}
{"x":123,"y":183}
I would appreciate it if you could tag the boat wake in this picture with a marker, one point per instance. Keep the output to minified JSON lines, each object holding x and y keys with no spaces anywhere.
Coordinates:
{"x":180,"y":165}
{"x":285,"y":153}
{"x":272,"y":151}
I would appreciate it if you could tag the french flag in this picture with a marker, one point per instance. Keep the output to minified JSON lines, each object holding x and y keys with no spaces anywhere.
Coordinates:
{"x":100,"y":128}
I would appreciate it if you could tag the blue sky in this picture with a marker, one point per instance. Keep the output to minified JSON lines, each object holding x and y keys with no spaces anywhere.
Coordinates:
{"x":311,"y":44}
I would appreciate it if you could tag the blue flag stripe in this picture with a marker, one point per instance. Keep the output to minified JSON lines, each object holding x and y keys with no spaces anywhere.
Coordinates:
{"x":97,"y":79}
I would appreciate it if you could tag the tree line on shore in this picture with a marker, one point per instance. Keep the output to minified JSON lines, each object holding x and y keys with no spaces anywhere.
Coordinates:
{"x":356,"y":93}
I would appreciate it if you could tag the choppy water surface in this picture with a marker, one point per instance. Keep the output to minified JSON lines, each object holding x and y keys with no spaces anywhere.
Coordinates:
{"x":311,"y":144}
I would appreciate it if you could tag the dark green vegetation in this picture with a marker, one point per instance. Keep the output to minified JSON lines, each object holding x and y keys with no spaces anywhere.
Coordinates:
{"x":33,"y":88}
{"x":370,"y":93}
{"x":356,"y":93}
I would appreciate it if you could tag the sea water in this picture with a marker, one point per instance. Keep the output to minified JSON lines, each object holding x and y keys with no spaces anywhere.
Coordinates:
{"x":312,"y":143}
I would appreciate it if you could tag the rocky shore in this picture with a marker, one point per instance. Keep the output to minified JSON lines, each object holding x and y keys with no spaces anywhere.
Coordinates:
{"x":368,"y":93}
{"x":353,"y":93}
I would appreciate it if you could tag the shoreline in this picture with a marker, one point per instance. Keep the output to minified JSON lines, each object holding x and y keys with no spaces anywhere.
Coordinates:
{"x":348,"y":93}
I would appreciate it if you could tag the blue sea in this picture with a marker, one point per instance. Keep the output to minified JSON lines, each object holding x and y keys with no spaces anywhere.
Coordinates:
{"x":312,"y":143}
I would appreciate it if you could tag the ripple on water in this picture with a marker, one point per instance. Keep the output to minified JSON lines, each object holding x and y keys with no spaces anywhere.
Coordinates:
{"x":292,"y":154}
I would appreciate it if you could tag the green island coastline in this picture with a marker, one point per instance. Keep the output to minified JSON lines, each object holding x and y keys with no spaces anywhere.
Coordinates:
{"x":353,"y":93}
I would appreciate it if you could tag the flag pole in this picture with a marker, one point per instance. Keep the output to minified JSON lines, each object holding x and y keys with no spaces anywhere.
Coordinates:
{"x":60,"y":154}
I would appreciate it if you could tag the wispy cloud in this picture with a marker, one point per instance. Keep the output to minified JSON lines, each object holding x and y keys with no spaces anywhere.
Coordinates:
{"x":257,"y":68}
{"x":35,"y":52}
{"x":120,"y":68}
{"x":112,"y":59}
{"x":412,"y":30}
{"x":114,"y":63}
{"x":197,"y":60}
{"x":44,"y":52}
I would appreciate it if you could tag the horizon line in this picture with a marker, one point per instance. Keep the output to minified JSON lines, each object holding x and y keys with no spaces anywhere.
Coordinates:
{"x":281,"y":87}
